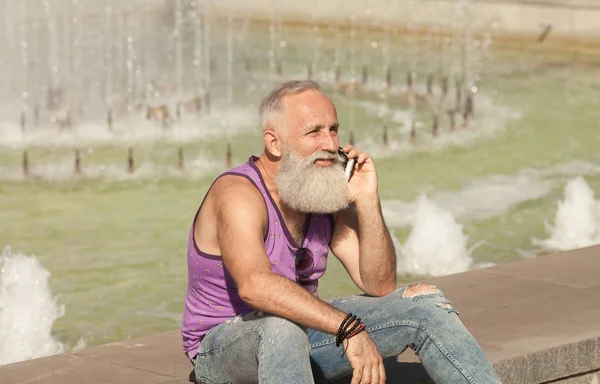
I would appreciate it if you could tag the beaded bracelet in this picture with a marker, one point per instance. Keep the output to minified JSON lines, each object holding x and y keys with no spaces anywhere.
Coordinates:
{"x":342,"y":329}
{"x":351,"y":326}
{"x":349,"y":329}
{"x":361,"y":327}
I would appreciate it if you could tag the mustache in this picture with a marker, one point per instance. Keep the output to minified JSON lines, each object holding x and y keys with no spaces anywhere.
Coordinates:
{"x":324,"y":155}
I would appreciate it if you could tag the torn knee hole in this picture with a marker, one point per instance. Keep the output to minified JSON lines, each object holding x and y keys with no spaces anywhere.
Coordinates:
{"x":420,"y":289}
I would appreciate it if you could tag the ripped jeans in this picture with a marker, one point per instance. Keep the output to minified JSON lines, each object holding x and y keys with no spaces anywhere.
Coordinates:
{"x":259,"y":348}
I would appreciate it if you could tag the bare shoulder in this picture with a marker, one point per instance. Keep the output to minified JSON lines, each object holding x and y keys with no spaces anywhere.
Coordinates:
{"x":237,"y":188}
{"x":235,"y":197}
{"x":241,"y":222}
{"x":230,"y":205}
{"x":241,"y":227}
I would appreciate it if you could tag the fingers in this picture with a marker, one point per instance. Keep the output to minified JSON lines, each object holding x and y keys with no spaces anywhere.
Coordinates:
{"x":353,"y":153}
{"x":382,"y":376}
{"x":374,"y":374}
{"x":356,"y":376}
{"x":369,"y":374}
{"x":366,"y":361}
{"x":363,"y":157}
{"x":361,"y":375}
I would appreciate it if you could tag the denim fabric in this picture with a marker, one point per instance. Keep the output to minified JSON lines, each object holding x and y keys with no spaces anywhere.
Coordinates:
{"x":260,"y":348}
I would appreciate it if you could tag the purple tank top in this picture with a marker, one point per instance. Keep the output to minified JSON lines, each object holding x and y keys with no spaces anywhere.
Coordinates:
{"x":212,"y":296}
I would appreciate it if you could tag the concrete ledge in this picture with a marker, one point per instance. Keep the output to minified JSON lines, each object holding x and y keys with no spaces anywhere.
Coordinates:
{"x":549,"y":365}
{"x":538,"y":321}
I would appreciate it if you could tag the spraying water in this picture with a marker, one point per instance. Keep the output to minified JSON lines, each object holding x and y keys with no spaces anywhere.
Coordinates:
{"x":27,"y":309}
{"x":577,"y":220}
{"x":436,"y":245}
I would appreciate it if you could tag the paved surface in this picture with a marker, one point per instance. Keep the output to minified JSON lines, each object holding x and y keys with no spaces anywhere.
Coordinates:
{"x":538,"y":320}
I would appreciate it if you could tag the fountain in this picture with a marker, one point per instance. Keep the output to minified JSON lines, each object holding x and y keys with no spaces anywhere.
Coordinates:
{"x":137,"y":71}
{"x":577,"y":220}
{"x":101,"y":100}
{"x":27,"y":309}
{"x":436,"y":245}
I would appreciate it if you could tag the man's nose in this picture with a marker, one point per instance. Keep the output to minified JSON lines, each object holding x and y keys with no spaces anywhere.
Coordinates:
{"x":329,"y":142}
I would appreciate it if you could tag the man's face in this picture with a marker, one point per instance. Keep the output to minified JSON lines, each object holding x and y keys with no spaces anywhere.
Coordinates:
{"x":311,"y":124}
{"x":311,"y":176}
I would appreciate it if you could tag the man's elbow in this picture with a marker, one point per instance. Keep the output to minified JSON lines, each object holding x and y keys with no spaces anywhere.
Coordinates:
{"x":250,"y":289}
{"x":247,"y":293}
{"x":389,"y":289}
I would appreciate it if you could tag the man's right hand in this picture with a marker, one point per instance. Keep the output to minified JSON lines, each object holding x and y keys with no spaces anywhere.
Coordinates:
{"x":365,"y":359}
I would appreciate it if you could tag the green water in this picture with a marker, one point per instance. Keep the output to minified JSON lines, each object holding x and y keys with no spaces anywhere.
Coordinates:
{"x":116,"y":246}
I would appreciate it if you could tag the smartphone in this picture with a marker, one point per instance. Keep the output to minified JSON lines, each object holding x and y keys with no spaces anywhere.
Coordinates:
{"x":349,"y":164}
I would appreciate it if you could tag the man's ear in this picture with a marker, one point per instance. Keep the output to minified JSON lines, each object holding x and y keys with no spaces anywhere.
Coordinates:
{"x":272,"y":142}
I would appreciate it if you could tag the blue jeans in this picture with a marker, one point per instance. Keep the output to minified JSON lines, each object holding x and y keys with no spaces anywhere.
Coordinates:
{"x":261,"y":348}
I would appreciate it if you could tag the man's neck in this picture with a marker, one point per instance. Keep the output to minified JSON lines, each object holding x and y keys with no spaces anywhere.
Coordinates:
{"x":294,"y":220}
{"x":269,"y":170}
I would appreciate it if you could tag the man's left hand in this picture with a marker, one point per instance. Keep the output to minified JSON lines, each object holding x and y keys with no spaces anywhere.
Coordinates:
{"x":363,"y":182}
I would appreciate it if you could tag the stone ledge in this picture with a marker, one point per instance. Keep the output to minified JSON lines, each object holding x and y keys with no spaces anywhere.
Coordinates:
{"x":537,"y":321}
{"x":552,"y":364}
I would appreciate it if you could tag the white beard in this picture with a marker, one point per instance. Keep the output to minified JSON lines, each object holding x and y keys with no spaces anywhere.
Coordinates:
{"x":310,"y":188}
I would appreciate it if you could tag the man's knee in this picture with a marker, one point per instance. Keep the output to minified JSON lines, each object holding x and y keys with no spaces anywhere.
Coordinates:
{"x":276,"y":330}
{"x":427,"y":292}
{"x":420,"y":289}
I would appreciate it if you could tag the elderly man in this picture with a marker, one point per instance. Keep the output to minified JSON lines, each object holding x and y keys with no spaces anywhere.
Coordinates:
{"x":259,"y":244}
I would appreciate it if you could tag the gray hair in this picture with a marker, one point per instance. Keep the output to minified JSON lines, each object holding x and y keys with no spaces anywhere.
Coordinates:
{"x":271,"y":104}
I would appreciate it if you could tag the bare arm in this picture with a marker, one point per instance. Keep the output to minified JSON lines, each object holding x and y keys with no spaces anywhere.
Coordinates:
{"x":241,"y":218}
{"x":362,"y":242}
{"x":360,"y":238}
{"x":377,"y":259}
